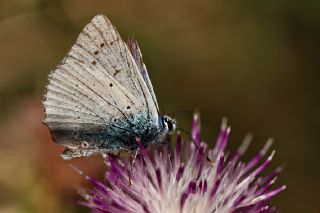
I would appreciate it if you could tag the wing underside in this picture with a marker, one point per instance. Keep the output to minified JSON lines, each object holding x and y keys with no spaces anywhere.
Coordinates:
{"x":137,"y":55}
{"x":98,"y":83}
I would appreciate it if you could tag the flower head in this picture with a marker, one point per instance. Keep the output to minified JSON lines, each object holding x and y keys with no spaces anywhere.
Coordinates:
{"x":189,"y":178}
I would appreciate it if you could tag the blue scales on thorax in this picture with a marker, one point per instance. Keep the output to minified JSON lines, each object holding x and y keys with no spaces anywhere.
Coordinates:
{"x":121,"y":134}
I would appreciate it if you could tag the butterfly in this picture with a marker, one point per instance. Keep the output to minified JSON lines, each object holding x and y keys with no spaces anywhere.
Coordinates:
{"x":99,"y":98}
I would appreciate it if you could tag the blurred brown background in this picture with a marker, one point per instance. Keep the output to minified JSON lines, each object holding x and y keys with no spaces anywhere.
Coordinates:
{"x":254,"y":62}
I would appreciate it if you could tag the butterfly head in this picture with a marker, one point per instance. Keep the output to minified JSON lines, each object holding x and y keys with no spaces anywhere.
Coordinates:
{"x":169,"y":124}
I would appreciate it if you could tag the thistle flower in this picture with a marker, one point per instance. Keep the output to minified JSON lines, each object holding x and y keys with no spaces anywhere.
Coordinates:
{"x":190,"y":178}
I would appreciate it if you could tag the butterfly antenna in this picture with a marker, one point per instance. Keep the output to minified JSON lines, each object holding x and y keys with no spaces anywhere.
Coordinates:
{"x":188,"y":133}
{"x":134,"y":157}
{"x":173,"y":113}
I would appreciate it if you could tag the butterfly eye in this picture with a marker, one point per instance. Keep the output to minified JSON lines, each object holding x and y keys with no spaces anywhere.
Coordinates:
{"x":170,"y":126}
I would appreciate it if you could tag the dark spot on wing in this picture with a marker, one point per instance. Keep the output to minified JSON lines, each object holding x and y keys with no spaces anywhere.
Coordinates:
{"x":93,"y":62}
{"x":102,"y":45}
{"x":110,"y":85}
{"x":116,"y":72}
{"x":128,"y":107}
{"x":111,"y":43}
{"x":96,"y":52}
{"x":85,"y":144}
{"x":78,"y":117}
{"x":114,"y":120}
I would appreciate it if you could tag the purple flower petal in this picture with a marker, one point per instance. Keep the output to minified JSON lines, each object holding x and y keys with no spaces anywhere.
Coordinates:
{"x":194,"y":179}
{"x":180,"y":172}
{"x":196,"y":129}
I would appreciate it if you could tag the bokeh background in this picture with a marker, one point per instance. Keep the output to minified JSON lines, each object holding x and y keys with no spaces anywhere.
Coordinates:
{"x":254,"y":62}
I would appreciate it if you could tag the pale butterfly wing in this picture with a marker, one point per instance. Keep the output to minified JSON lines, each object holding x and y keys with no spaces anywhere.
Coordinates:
{"x":80,"y":104}
{"x":100,"y":45}
{"x":137,"y":55}
{"x":97,"y":85}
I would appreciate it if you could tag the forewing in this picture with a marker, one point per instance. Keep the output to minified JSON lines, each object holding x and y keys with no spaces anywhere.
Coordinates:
{"x":137,"y":56}
{"x":100,"y":46}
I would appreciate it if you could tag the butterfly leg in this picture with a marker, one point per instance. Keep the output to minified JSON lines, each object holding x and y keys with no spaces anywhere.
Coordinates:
{"x":132,"y":163}
{"x":210,"y":161}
